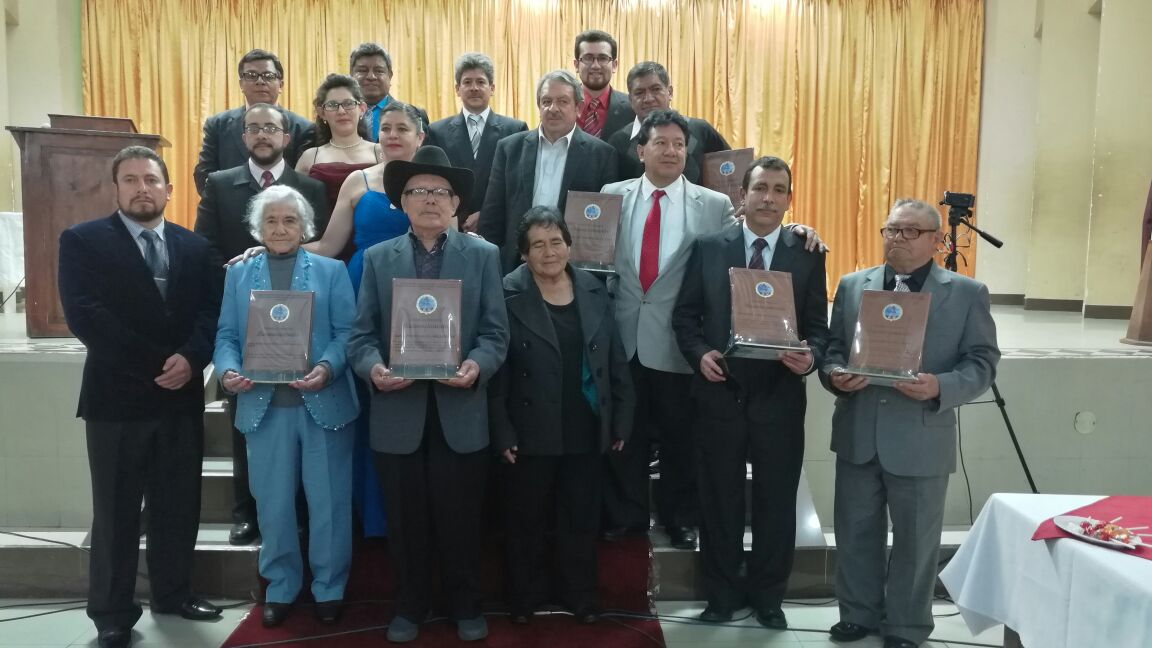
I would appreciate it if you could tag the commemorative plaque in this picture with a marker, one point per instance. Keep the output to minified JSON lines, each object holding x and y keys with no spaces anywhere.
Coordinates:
{"x":724,"y":171}
{"x":763,"y":315}
{"x":889,"y":340}
{"x":277,"y":343}
{"x":593,"y":219}
{"x":425,"y":341}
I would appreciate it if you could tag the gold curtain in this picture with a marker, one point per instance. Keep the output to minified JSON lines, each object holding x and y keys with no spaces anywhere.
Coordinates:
{"x":868,"y":100}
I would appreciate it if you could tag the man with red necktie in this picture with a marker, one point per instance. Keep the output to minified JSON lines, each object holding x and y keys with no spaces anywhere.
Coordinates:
{"x":603,"y":110}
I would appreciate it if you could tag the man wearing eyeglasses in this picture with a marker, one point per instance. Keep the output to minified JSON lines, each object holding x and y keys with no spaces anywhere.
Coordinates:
{"x":895,"y":446}
{"x":603,"y":110}
{"x":371,"y":66}
{"x":261,"y":80}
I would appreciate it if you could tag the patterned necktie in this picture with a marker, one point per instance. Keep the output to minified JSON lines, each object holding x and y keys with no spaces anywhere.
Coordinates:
{"x":475,"y":123}
{"x":155,"y":261}
{"x":266,"y":179}
{"x":591,"y":122}
{"x":757,"y":260}
{"x":900,"y":285}
{"x":650,"y":244}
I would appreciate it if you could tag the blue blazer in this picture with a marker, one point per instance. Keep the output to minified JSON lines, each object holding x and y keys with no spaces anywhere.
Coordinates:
{"x":333,"y":310}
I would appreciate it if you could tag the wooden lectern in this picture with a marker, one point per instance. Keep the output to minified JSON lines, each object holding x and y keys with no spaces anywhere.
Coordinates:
{"x":1140,"y":324}
{"x":66,"y":178}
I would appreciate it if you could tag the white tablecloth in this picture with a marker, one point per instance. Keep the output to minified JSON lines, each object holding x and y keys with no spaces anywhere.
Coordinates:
{"x":1061,"y":593}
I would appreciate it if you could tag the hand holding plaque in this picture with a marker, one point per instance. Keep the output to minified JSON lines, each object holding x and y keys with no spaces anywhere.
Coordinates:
{"x":425,"y":328}
{"x":889,"y":340}
{"x":763,"y":315}
{"x":593,"y":220}
{"x":724,"y":171}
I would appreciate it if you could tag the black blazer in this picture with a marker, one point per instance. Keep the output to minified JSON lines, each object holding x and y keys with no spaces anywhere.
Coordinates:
{"x":619,"y":114}
{"x":524,"y":398}
{"x":220,"y":218}
{"x":114,"y":308}
{"x":223,"y":143}
{"x":590,"y":165}
{"x":451,"y":134}
{"x":702,"y":138}
{"x":702,"y":321}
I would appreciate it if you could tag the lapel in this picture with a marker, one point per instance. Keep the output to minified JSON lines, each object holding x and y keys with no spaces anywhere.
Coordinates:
{"x":574,"y":160}
{"x":693,"y":207}
{"x":403,"y":262}
{"x":588,"y":291}
{"x":243,"y":178}
{"x":939,"y":285}
{"x":784,"y":256}
{"x":734,"y":253}
{"x":458,"y":138}
{"x":528,"y":162}
{"x":175,"y":245}
{"x":234,"y":132}
{"x":624,"y":234}
{"x":493,"y":131}
{"x":455,"y":265}
{"x":527,"y":306}
{"x":138,"y":268}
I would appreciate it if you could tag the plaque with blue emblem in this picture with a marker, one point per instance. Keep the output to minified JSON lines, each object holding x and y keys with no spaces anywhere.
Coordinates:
{"x":277,"y":341}
{"x":764,"y":323}
{"x":723,"y":171}
{"x":593,"y":220}
{"x":889,"y":342}
{"x":425,"y":342}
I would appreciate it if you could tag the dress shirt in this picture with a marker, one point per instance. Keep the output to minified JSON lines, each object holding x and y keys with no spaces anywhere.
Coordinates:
{"x":373,"y":118}
{"x":771,"y":239}
{"x":915,"y":280}
{"x":483,"y":120}
{"x":550,"y":162}
{"x":258,"y":172}
{"x":673,"y":218}
{"x":428,"y":262}
{"x":135,"y":228}
{"x":604,"y":97}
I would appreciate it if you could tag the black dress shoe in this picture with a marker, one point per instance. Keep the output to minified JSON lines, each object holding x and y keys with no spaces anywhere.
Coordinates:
{"x":682,"y":537}
{"x":197,"y":609}
{"x":892,"y":641}
{"x":846,"y":631}
{"x":243,"y":533}
{"x":114,"y":638}
{"x":328,"y":612}
{"x":618,"y":533}
{"x":274,"y":613}
{"x":716,"y":614}
{"x":772,"y":618}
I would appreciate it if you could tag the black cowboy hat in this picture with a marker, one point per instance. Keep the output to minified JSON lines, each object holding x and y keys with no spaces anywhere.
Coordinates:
{"x":431,"y":160}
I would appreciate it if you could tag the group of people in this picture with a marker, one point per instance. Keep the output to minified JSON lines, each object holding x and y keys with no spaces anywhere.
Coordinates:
{"x":566,"y":379}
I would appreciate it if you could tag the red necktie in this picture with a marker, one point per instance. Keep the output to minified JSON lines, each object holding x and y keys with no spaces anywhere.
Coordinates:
{"x":650,"y":244}
{"x":266,"y":179}
{"x":591,"y":122}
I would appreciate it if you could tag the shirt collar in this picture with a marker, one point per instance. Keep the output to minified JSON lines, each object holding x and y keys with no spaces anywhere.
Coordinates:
{"x":674,"y":191}
{"x":420,"y":244}
{"x":918,"y":276}
{"x":483,"y":116}
{"x":383,"y":102}
{"x":592,"y":94}
{"x":771,"y":239}
{"x":635,"y":128}
{"x":544,"y":140}
{"x":258,"y":172}
{"x":134,"y":228}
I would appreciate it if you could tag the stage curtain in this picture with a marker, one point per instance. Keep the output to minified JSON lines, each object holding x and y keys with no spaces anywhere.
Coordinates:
{"x":869,"y":100}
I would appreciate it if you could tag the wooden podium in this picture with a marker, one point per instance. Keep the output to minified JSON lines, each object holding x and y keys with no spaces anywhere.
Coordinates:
{"x":66,"y":178}
{"x":1140,"y":324}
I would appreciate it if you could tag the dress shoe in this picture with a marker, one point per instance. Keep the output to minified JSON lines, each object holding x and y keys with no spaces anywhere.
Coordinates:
{"x":716,"y":614}
{"x":197,"y":609}
{"x":520,"y":617}
{"x":847,"y":631}
{"x":328,"y":612}
{"x":243,"y":533}
{"x":114,"y":638}
{"x":473,"y":629}
{"x":892,"y":641}
{"x":772,"y":618}
{"x":682,"y":537}
{"x":619,"y":533}
{"x":275,"y":613}
{"x":401,"y":630}
{"x":586,"y":615}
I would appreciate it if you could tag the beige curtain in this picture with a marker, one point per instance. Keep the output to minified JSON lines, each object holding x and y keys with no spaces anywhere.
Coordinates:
{"x":869,"y":100}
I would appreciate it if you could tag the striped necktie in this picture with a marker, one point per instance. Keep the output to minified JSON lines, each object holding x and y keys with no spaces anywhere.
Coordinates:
{"x":475,"y":124}
{"x":591,"y":122}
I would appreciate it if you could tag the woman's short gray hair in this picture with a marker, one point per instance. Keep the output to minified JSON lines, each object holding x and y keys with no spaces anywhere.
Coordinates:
{"x":280,"y":195}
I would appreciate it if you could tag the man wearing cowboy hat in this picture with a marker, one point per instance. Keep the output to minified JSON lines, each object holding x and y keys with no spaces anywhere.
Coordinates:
{"x":430,"y":437}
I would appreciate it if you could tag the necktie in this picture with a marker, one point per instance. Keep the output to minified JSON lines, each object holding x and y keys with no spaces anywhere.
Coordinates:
{"x":757,"y":260}
{"x":591,"y":122}
{"x":650,"y":244}
{"x":900,"y":285}
{"x":266,"y":179}
{"x":474,"y":125}
{"x":155,"y":261}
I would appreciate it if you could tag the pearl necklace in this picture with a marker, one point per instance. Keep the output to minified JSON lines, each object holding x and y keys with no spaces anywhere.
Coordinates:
{"x":358,"y":142}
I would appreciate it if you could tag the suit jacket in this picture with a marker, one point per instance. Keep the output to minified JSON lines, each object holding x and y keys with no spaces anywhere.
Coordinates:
{"x":223,"y":143}
{"x":702,"y":138}
{"x":910,"y":437}
{"x":526,"y":393}
{"x":645,"y":318}
{"x":619,"y":114}
{"x":451,"y":134}
{"x":397,"y":418}
{"x":590,"y":165}
{"x":703,"y":322}
{"x":333,"y":307}
{"x":220,"y":218}
{"x":113,"y":306}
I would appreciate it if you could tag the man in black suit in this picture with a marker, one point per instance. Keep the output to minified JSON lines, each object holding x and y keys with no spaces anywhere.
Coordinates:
{"x":470,"y":137}
{"x":603,"y":111}
{"x":649,"y":89}
{"x":143,"y":296}
{"x":221,"y":219}
{"x":261,"y":80}
{"x":371,"y":66}
{"x":749,"y":409}
{"x":541,"y":166}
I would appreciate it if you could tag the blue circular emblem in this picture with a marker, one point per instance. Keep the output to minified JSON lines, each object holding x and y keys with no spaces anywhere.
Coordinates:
{"x":279,"y":313}
{"x":727,"y":168}
{"x":893,"y":312}
{"x":764,"y":289}
{"x":426,"y":304}
{"x":592,"y":212}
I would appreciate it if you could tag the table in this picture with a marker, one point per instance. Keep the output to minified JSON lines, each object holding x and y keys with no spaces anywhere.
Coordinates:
{"x":1060,"y":593}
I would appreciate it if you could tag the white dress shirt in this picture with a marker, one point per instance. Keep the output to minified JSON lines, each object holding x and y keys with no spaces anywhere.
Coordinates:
{"x":673,"y":218}
{"x":483,"y":121}
{"x":258,"y":172}
{"x":550,"y":162}
{"x":134,"y":228}
{"x":772,"y":239}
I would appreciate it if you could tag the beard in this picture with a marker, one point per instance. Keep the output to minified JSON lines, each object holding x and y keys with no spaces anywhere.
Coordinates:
{"x":142,"y":213}
{"x":267,"y":160}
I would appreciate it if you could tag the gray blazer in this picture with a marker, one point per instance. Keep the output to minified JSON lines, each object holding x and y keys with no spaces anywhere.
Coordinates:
{"x":914,"y":438}
{"x":645,"y":319}
{"x":397,"y":418}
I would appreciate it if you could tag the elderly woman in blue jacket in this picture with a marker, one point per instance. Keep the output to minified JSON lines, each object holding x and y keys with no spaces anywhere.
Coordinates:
{"x":297,"y":432}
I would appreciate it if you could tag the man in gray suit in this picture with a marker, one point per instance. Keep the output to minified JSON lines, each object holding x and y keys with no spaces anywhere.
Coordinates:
{"x":895,"y":447}
{"x":430,"y":438}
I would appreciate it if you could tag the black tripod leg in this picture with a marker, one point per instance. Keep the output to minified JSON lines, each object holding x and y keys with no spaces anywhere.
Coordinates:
{"x":1012,"y":435}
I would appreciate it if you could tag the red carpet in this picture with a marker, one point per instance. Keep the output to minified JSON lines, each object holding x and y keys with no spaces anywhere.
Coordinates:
{"x":623,"y":586}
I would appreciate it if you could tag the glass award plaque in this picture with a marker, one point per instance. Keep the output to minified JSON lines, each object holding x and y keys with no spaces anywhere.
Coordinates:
{"x":277,"y":343}
{"x":889,"y":340}
{"x":425,"y":341}
{"x":724,"y":171}
{"x":593,"y":220}
{"x":763,"y":315}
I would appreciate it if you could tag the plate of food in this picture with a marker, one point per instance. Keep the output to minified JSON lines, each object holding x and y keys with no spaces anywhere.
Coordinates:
{"x":1108,"y":534}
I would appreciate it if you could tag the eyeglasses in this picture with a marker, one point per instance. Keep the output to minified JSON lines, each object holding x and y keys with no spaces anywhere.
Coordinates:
{"x":439,"y":193}
{"x":253,"y":77}
{"x":366,"y":72}
{"x":333,"y":106}
{"x":909,"y":233}
{"x":267,"y":129}
{"x":590,"y":59}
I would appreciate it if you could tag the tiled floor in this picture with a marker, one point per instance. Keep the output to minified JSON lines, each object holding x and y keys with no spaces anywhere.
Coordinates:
{"x":71,"y":628}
